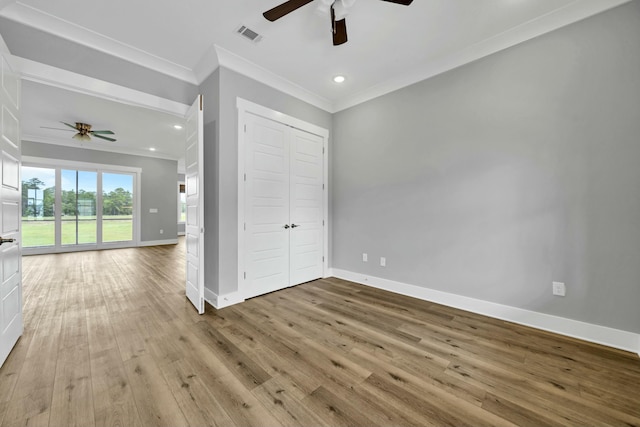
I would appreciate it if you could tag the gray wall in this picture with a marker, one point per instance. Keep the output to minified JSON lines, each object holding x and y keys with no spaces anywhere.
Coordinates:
{"x":497,"y":178}
{"x":158,"y":184}
{"x":233,"y":85}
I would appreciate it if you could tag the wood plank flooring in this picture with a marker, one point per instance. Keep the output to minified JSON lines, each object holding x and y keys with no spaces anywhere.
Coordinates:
{"x":110,"y":340}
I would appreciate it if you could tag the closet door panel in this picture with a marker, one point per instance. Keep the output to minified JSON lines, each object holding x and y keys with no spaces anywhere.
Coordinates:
{"x":306,"y":180}
{"x":266,"y":206}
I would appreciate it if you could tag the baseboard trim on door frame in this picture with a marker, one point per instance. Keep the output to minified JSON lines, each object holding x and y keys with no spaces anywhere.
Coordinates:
{"x":221,"y":301}
{"x":604,"y":335}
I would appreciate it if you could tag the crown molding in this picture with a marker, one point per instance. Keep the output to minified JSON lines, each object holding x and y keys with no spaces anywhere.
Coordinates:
{"x":57,"y":77}
{"x":207,"y":65}
{"x":35,"y":18}
{"x":563,"y":16}
{"x":247,"y":68}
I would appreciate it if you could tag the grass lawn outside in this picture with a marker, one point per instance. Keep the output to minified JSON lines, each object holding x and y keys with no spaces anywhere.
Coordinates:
{"x":41,"y":232}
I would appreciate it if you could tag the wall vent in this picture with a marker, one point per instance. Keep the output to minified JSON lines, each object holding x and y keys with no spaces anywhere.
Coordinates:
{"x":249,"y":34}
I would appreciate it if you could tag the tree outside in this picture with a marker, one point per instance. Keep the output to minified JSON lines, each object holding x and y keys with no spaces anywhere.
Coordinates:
{"x":117,"y":202}
{"x":31,"y":204}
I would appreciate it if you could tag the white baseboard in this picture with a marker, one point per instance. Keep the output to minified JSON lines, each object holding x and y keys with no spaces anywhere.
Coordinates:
{"x":158,"y":242}
{"x":181,"y":233}
{"x":222,"y":301}
{"x":616,"y":338}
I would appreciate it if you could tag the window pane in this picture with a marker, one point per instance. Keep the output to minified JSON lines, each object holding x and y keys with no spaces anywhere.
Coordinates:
{"x":79,"y":207}
{"x":38,"y":206}
{"x":117,"y":207}
{"x":183,"y":207}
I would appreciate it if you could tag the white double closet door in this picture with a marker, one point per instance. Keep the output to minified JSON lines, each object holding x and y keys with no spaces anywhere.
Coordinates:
{"x":283,"y":206}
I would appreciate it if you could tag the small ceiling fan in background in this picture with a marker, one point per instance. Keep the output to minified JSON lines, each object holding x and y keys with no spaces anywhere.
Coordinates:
{"x":337,"y":8}
{"x":84,"y":132}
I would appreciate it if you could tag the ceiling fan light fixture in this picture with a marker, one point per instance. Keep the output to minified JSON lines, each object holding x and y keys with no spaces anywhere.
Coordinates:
{"x":339,"y":78}
{"x":323,"y":7}
{"x":178,"y":127}
{"x":82,"y":137}
{"x":340,"y":10}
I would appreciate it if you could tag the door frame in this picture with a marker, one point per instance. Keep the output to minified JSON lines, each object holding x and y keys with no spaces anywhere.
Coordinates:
{"x":244,"y":107}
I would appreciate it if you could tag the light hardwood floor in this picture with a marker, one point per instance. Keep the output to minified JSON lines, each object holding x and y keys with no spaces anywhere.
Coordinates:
{"x":110,"y":340}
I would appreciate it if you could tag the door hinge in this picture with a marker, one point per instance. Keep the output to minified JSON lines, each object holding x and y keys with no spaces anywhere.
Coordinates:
{"x":323,"y":222}
{"x":202,"y":230}
{"x":245,"y":274}
{"x":245,"y":226}
{"x":245,"y":177}
{"x":323,"y":186}
{"x":322,"y":150}
{"x":245,"y":128}
{"x":322,"y":259}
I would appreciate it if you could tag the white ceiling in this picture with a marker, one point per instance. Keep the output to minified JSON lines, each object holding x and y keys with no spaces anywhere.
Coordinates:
{"x":136,"y":129}
{"x":389,"y":46}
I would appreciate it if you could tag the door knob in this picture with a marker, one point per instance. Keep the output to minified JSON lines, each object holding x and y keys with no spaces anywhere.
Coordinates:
{"x":295,"y":225}
{"x":286,"y":226}
{"x":3,"y":240}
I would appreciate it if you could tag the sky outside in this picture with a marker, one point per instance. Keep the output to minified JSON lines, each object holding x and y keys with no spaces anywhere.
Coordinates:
{"x":86,"y":180}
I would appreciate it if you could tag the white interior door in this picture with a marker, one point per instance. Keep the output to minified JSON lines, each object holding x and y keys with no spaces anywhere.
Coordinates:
{"x":306,"y":207}
{"x":194,"y":226}
{"x":284,"y":206}
{"x":267,"y":206}
{"x":10,"y":201}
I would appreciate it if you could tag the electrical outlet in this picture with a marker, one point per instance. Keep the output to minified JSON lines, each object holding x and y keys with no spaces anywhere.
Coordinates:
{"x":559,"y":289}
{"x":383,"y":261}
{"x":365,"y":257}
{"x":161,"y":231}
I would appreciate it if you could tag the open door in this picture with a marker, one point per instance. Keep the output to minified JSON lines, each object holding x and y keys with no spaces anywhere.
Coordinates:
{"x":194,"y":226}
{"x":11,"y":325}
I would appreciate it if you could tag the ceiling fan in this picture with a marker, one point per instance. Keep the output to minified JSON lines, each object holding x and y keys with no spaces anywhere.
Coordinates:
{"x":85,"y":133}
{"x":338,"y":9}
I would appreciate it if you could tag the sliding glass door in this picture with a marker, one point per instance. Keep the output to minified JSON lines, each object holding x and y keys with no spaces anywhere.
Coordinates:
{"x":117,"y":207}
{"x":71,"y":208}
{"x":38,"y":207}
{"x":79,"y":201}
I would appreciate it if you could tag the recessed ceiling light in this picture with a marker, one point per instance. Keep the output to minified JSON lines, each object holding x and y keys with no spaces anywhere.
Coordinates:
{"x":177,"y":127}
{"x":152,"y":149}
{"x":339,"y":79}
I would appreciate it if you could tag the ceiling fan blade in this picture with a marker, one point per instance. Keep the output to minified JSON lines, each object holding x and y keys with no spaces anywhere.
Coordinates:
{"x":402,"y":2}
{"x":107,"y":132}
{"x":338,"y":29}
{"x":284,"y":9}
{"x":68,"y":130}
{"x":104,"y":137}
{"x":71,"y":126}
